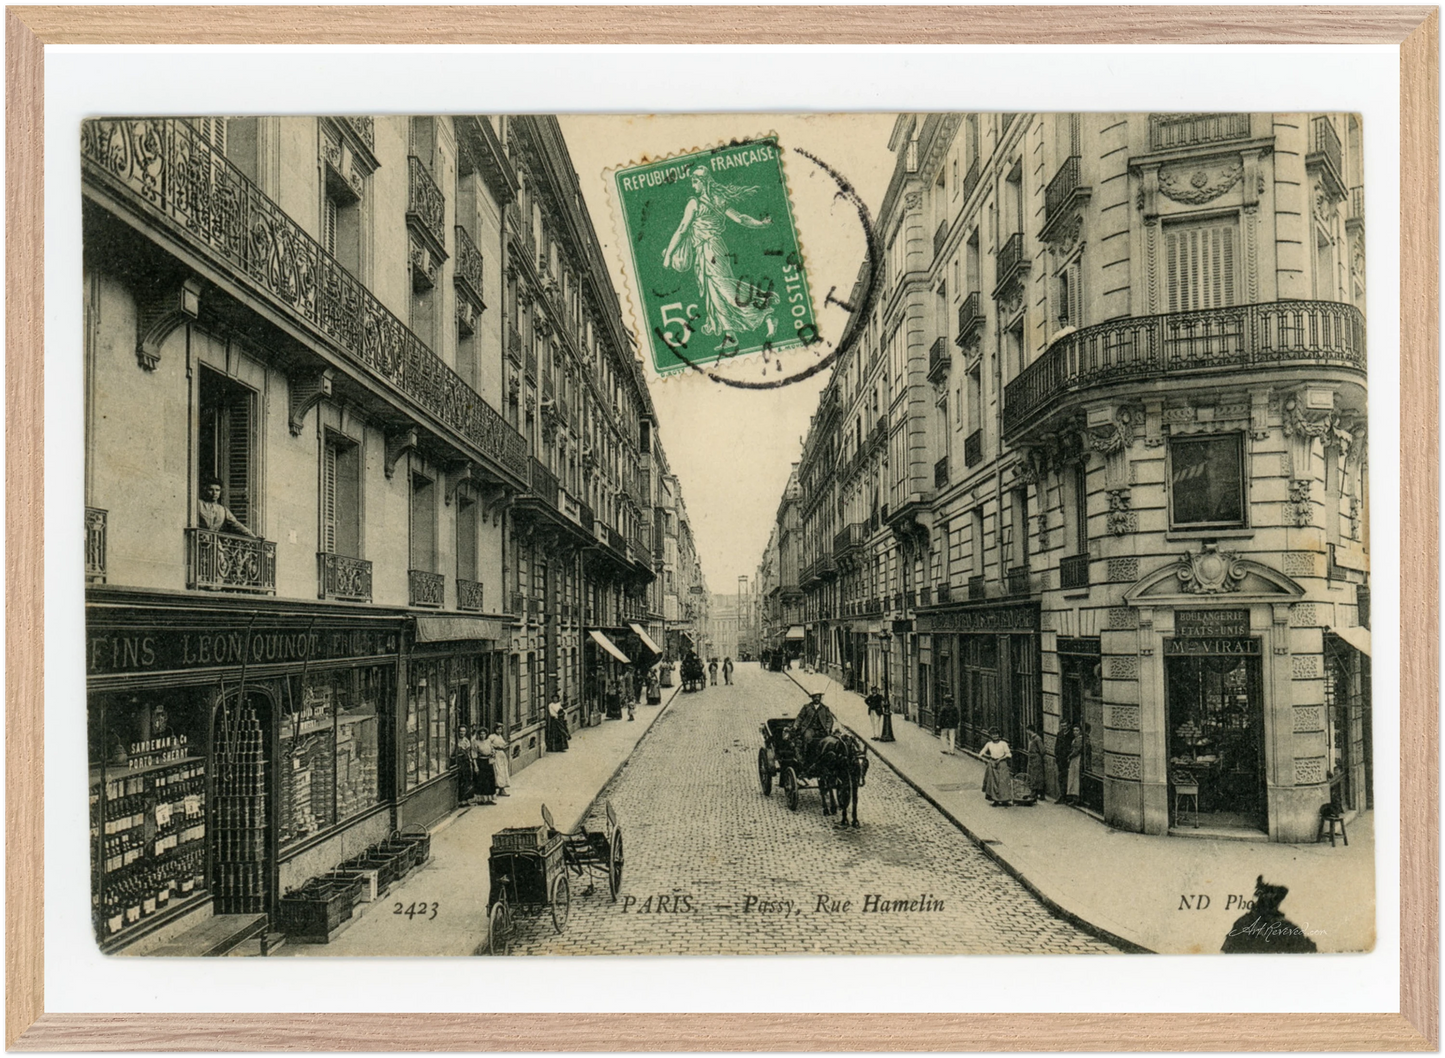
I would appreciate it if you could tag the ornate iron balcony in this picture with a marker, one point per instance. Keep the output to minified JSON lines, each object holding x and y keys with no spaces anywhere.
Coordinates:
{"x":1145,"y":348}
{"x":1061,"y":189}
{"x":1169,"y":131}
{"x":95,"y":544}
{"x":544,"y":484}
{"x":531,"y":363}
{"x":469,"y":595}
{"x":970,"y":180}
{"x":973,"y":449}
{"x":1357,"y":204}
{"x":426,"y":208}
{"x":468,"y":274}
{"x":938,"y":359}
{"x":849,"y":537}
{"x":1074,"y":572}
{"x":1325,"y":148}
{"x":225,"y":562}
{"x":1018,"y":580}
{"x":424,"y":588}
{"x":340,"y":577}
{"x":976,"y":589}
{"x":1010,"y":261}
{"x":364,"y":128}
{"x":514,"y":345}
{"x":168,"y":166}
{"x":940,"y":236}
{"x":970,"y":318}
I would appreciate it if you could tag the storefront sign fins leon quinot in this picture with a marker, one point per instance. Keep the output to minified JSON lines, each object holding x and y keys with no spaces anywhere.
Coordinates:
{"x":112,"y":651}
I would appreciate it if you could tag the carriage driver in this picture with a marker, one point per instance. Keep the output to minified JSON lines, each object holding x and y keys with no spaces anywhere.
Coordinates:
{"x":813,"y":723}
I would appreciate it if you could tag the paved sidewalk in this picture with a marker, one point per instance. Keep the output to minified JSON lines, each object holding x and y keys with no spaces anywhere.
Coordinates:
{"x":1132,"y":886}
{"x":454,"y":879}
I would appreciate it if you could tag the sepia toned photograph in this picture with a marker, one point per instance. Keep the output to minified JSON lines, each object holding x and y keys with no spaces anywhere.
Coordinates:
{"x":733,"y":534}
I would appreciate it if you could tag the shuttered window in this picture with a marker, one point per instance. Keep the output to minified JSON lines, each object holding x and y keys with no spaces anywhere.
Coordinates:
{"x":1200,"y":262}
{"x":226,"y":446}
{"x":340,"y":498}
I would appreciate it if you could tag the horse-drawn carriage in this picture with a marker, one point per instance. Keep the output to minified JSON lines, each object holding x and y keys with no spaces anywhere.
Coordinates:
{"x":694,"y":676}
{"x":529,"y":868}
{"x":835,"y":764}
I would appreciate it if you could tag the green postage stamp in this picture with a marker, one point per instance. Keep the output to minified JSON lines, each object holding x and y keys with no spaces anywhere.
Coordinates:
{"x":719,"y":272}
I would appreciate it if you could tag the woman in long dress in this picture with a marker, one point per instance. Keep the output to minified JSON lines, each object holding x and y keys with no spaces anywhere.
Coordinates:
{"x":464,"y":757}
{"x":501,"y":763}
{"x":997,"y":779}
{"x":1036,"y":763}
{"x":1076,"y":765}
{"x":698,"y":244}
{"x":486,"y":779}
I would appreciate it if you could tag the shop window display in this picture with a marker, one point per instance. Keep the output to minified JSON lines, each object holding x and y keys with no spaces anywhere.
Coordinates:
{"x":436,"y":688}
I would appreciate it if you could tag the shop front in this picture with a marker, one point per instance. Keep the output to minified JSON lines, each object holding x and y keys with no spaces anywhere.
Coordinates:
{"x":234,"y":754}
{"x":454,"y":679}
{"x":987,"y":659}
{"x":1081,"y":716}
{"x":607,"y":673}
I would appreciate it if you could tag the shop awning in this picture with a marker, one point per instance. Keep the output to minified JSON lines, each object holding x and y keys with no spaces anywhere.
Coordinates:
{"x":444,"y":629}
{"x":646,"y":639}
{"x":1357,"y":637}
{"x":795,"y":632}
{"x":609,"y":646}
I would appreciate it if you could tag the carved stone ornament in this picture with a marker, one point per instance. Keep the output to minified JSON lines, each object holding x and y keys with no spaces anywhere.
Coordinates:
{"x":913,"y":200}
{"x":531,"y":405}
{"x":1063,"y":239}
{"x":1112,"y":437}
{"x":1195,"y":185}
{"x":1011,"y":301}
{"x":514,"y":390}
{"x":1121,"y":519}
{"x":1209,"y":571}
{"x":1299,"y":510}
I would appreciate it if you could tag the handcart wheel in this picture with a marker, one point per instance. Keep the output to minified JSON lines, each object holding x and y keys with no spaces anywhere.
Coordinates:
{"x":614,"y":865}
{"x":561,"y":902}
{"x":499,"y":930}
{"x":765,"y":772}
{"x":790,"y":787}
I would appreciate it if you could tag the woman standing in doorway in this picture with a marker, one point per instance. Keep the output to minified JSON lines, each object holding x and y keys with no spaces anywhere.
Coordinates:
{"x":501,"y":762}
{"x":1077,"y":747}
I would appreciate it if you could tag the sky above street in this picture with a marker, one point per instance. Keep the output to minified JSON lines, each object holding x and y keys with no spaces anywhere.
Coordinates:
{"x":732,"y":448}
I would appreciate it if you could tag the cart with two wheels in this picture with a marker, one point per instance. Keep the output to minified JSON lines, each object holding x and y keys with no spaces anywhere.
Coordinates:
{"x":528,"y":874}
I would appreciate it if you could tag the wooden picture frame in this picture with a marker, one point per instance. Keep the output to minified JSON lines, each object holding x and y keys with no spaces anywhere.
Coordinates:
{"x":1414,"y":30}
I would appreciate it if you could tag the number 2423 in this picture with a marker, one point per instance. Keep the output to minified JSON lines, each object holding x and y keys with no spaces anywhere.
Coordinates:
{"x":424,"y":911}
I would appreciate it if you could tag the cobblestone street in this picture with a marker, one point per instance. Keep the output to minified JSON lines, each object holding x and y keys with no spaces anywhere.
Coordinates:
{"x":714,"y":867}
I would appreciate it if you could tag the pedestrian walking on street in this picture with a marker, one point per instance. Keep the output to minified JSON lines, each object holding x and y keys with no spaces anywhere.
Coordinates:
{"x":728,"y":671}
{"x":712,"y":671}
{"x":501,"y":761}
{"x":556,"y":734}
{"x":874,"y":702}
{"x":1061,"y":762}
{"x":1036,"y":762}
{"x":463,"y":759}
{"x":997,"y":779}
{"x":948,"y":723}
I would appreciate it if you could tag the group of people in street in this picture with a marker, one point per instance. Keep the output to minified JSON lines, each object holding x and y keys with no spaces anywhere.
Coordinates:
{"x":1070,"y":750}
{"x":484,"y":770}
{"x":727,"y":671}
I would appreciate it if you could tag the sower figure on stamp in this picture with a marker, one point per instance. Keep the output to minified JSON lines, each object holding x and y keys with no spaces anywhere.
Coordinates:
{"x":728,"y":309}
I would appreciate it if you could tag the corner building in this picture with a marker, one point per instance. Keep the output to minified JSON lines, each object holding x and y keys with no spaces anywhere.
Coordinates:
{"x":1098,"y":457}
{"x":393,"y":343}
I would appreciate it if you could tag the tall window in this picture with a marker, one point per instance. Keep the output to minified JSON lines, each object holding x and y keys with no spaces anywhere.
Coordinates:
{"x":1076,"y":507}
{"x":1206,"y":480}
{"x":1019,"y":509}
{"x":1015,"y":349}
{"x":341,"y":497}
{"x":1199,"y":258}
{"x":227,"y":443}
{"x":1068,"y":297}
{"x":977,"y":543}
{"x":466,"y":536}
{"x":1013,"y":217}
{"x":423,"y":523}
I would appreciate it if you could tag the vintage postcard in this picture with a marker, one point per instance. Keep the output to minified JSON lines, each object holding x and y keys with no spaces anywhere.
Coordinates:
{"x":923,"y":533}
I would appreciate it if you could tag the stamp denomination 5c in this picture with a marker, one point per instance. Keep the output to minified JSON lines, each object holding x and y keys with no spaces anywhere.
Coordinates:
{"x":715,"y":255}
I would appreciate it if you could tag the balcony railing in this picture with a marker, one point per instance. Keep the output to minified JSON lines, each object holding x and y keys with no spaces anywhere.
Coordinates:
{"x":1061,"y":189}
{"x":586,"y":517}
{"x":1269,"y":335}
{"x":973,"y":449}
{"x":426,"y":208}
{"x":516,"y":603}
{"x":94,"y":544}
{"x":364,"y":127}
{"x":424,"y":588}
{"x":1357,"y":203}
{"x":532,"y":363}
{"x":469,"y":595}
{"x":224,"y":562}
{"x":1168,"y":131}
{"x":976,"y":589}
{"x":1018,"y":580}
{"x":341,"y":577}
{"x":514,"y":345}
{"x":849,"y":537}
{"x":468,"y":267}
{"x":938,"y":359}
{"x":1325,"y":145}
{"x":970,"y":318}
{"x":544,"y":484}
{"x":940,"y":236}
{"x":1010,"y":261}
{"x":616,"y":541}
{"x":970,"y":180}
{"x":167,"y":165}
{"x":925,"y":597}
{"x":944,"y":593}
{"x":1074,"y":572}
{"x":940,"y":473}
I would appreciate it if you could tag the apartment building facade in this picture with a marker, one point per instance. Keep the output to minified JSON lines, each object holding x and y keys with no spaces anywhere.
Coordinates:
{"x":1095,"y":457}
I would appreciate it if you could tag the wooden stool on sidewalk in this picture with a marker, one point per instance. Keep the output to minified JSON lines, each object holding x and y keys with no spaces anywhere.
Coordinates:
{"x":1330,"y":818}
{"x":1185,"y":786}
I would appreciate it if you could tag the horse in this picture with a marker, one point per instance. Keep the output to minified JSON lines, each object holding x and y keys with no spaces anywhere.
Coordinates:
{"x":842,"y":764}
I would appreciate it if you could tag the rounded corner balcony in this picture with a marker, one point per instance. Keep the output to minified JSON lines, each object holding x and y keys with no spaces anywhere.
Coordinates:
{"x":1263,"y":338}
